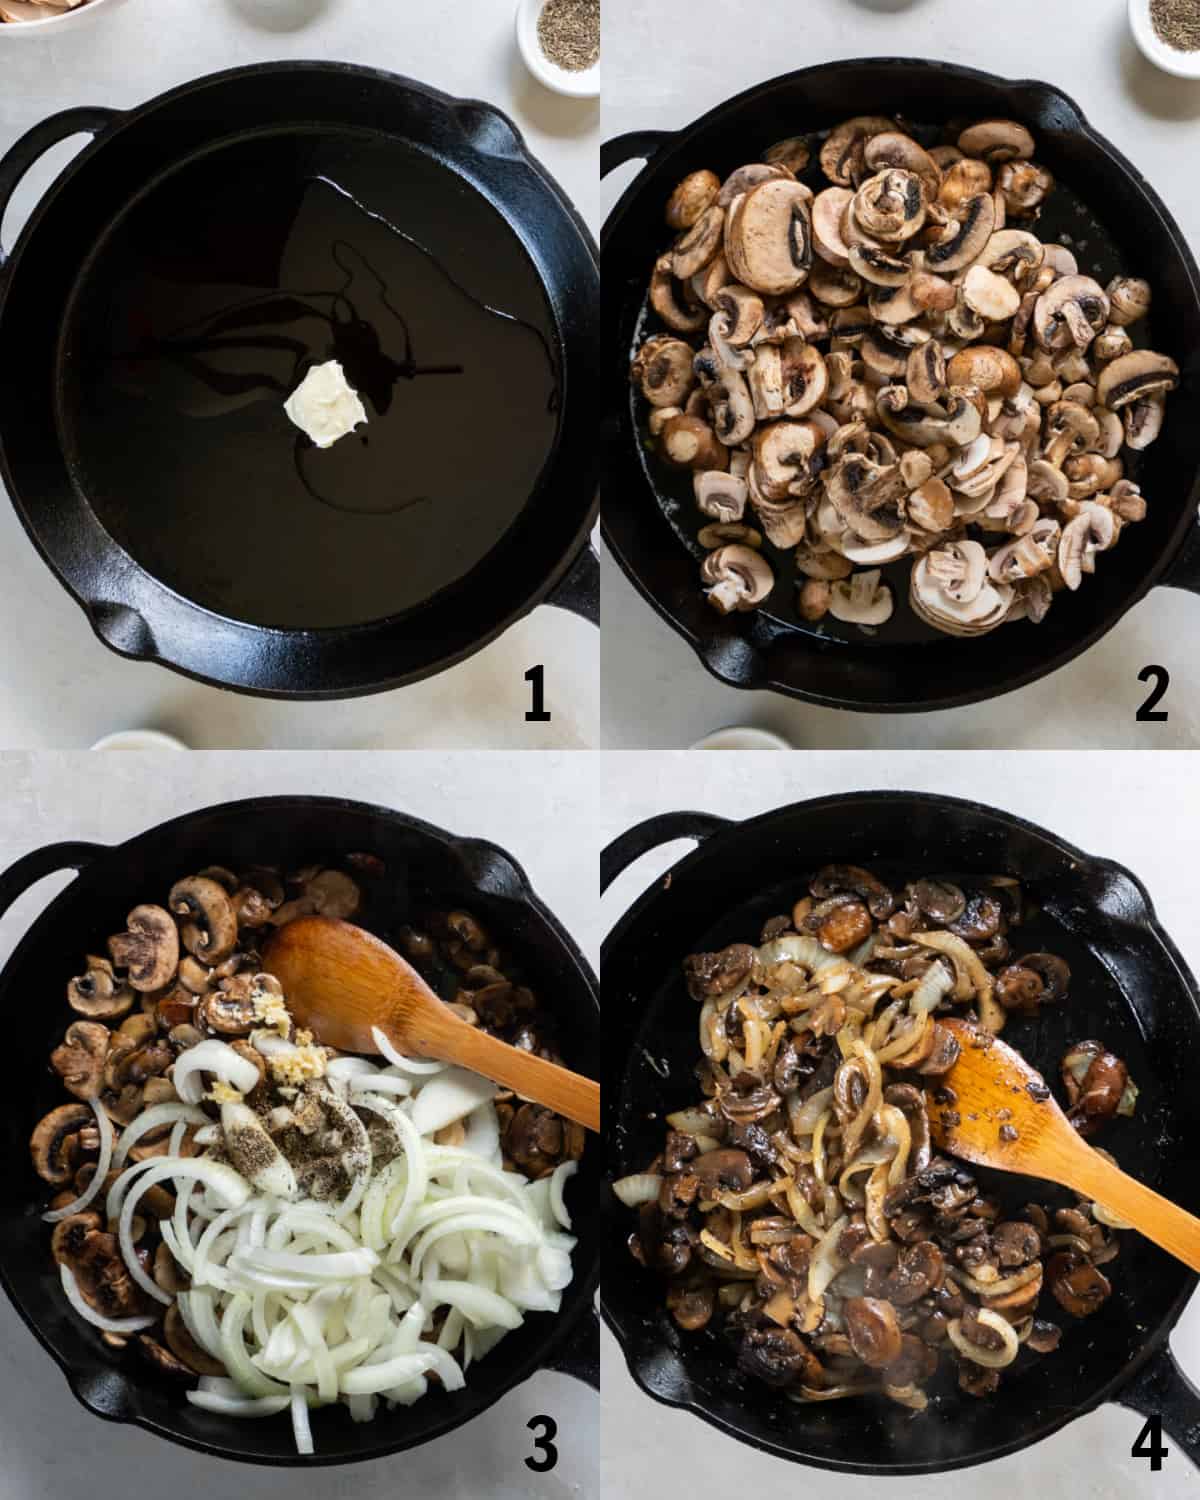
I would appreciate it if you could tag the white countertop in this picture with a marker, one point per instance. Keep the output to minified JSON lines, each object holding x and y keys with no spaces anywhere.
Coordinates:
{"x":53,"y":1448}
{"x":1124,"y":806}
{"x":59,"y":687}
{"x":667,"y":64}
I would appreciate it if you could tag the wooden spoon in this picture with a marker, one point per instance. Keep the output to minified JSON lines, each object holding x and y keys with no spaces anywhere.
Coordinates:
{"x":1003,"y":1115}
{"x":340,"y":982}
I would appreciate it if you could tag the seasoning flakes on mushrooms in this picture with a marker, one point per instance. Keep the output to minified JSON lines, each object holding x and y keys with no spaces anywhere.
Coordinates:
{"x":896,"y":366}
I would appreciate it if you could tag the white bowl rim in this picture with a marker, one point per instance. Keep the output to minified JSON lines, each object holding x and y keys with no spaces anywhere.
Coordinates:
{"x":1154,"y":49}
{"x":55,"y":18}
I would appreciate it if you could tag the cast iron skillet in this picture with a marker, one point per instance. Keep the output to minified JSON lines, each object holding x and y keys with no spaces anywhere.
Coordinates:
{"x":649,"y":518}
{"x":543,"y":558}
{"x":423,"y":864}
{"x":1129,"y":986}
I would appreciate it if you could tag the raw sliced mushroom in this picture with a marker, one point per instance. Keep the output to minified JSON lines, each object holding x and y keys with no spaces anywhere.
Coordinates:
{"x":863,"y":600}
{"x":79,"y":1059}
{"x":739,"y":578}
{"x":768,"y":237}
{"x":694,"y":195}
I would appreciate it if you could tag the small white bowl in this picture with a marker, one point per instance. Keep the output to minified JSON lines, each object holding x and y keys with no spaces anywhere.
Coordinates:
{"x":1169,"y":59}
{"x":583,"y":85}
{"x":54,"y":21}
{"x":741,"y":737}
{"x":139,"y":739}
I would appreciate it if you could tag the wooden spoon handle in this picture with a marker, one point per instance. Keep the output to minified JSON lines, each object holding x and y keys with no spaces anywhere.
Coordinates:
{"x":559,"y":1089}
{"x":1149,"y":1212}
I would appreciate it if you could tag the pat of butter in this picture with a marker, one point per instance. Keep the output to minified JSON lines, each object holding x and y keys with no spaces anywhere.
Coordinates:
{"x":323,"y":406}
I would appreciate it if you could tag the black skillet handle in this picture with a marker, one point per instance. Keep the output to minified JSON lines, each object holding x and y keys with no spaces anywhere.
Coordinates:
{"x":579,"y":589}
{"x":36,"y":142}
{"x":580,"y":1355}
{"x":640,"y":144}
{"x":664,"y":829}
{"x":31,"y":868}
{"x":1161,"y":1389}
{"x":1184,"y":572}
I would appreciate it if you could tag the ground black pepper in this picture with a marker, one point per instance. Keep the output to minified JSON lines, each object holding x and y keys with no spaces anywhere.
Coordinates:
{"x":569,"y":33}
{"x":1177,"y":22}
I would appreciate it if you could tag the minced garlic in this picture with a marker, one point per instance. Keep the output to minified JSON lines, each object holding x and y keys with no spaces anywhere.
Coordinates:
{"x":305,"y":1061}
{"x":271,"y":1010}
{"x":223,"y":1093}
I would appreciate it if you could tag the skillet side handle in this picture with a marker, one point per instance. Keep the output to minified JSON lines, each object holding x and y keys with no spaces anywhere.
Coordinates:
{"x":579,"y":589}
{"x":31,"y":868}
{"x":636,"y":144}
{"x":1161,"y":1389}
{"x":579,"y":1356}
{"x":643,"y":837}
{"x":1184,"y":572}
{"x":36,"y":142}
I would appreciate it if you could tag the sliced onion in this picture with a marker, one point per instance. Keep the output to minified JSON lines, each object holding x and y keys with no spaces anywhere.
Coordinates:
{"x":211,"y":1056}
{"x":798,"y":948}
{"x":417,"y":1066}
{"x":104,"y":1125}
{"x":240,"y":1406}
{"x":558,"y":1180}
{"x":481,"y":1307}
{"x":811,"y":1111}
{"x":825,"y":1262}
{"x":639,"y":1188}
{"x":109,"y":1325}
{"x":149,"y":1119}
{"x":300,"y":1426}
{"x":935,"y":984}
{"x":448,"y":1098}
{"x":1001,"y":1287}
{"x":993,"y":1359}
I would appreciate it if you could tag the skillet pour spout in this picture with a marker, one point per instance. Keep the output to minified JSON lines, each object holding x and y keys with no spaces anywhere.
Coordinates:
{"x":1140,"y":996}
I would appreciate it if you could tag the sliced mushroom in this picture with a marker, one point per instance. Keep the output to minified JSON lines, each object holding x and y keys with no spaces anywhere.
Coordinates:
{"x":53,"y":1146}
{"x":768,"y":237}
{"x":890,"y":205}
{"x":209,"y":928}
{"x":686,"y":441}
{"x":699,"y":244}
{"x":873,"y":1330}
{"x":668,"y":299}
{"x":79,"y":1059}
{"x":997,"y":141}
{"x":1070,"y":313}
{"x":98,"y":994}
{"x":1025,"y":186}
{"x":149,"y":950}
{"x":1135,"y":377}
{"x":1090,"y":532}
{"x":663,"y":371}
{"x":844,"y":147}
{"x":738,"y":577}
{"x":864,"y":600}
{"x":694,"y":195}
{"x":990,"y":295}
{"x":722,"y":496}
{"x":1129,"y":297}
{"x":963,"y":240}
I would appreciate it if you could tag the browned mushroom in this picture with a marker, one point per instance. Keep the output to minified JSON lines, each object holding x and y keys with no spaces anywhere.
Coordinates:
{"x":98,"y":994}
{"x":79,"y":1060}
{"x":691,"y":1304}
{"x":712,"y":974}
{"x":94,"y":1258}
{"x":873,"y":1330}
{"x":149,"y":949}
{"x":1078,"y":1287}
{"x":210,"y":928}
{"x":54,"y":1144}
{"x":1095,"y":1081}
{"x":185,"y":1348}
{"x":723,"y":1169}
{"x":325,"y":893}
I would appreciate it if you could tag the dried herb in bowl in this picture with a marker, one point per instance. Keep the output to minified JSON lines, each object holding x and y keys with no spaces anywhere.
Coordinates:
{"x":569,"y":33}
{"x":1177,"y":22}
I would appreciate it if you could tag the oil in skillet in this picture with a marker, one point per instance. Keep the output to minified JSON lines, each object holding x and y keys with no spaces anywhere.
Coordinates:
{"x":202,"y":309}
